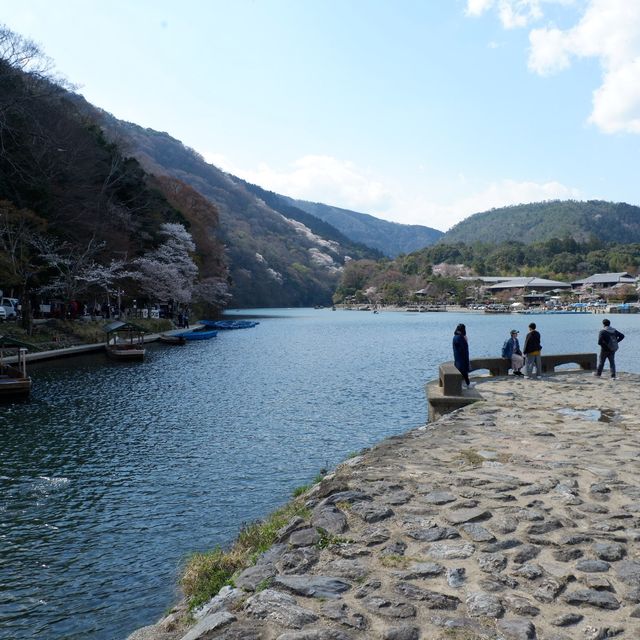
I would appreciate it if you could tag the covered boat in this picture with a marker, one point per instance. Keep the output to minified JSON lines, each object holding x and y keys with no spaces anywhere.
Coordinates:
{"x":198,"y":334}
{"x":125,"y":341}
{"x":14,"y":381}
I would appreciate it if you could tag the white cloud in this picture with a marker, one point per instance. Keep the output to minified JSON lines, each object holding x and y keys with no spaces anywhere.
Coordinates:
{"x":607,"y":30}
{"x":478,"y":7}
{"x":496,"y":194}
{"x":512,"y":13}
{"x":548,"y":53}
{"x":616,"y":104}
{"x":317,"y":178}
{"x":338,"y":183}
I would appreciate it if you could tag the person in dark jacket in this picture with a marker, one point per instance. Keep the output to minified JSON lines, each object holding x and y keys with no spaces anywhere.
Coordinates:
{"x":511,"y":351}
{"x":461,"y":353}
{"x":532,"y":349}
{"x":608,"y":340}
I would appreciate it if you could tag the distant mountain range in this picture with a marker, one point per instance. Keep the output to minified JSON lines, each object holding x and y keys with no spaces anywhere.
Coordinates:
{"x":280,"y":251}
{"x":277,"y":255}
{"x":528,"y":223}
{"x":391,"y":238}
{"x":91,"y":180}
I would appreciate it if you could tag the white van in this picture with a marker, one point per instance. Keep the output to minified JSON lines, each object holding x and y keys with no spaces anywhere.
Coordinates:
{"x":10,"y":306}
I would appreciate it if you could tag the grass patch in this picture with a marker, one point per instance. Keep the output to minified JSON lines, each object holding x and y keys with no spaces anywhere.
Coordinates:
{"x":57,"y":334}
{"x":206,"y":573}
{"x":328,"y":539}
{"x":471,"y":457}
{"x":298,"y":491}
{"x":394,"y":561}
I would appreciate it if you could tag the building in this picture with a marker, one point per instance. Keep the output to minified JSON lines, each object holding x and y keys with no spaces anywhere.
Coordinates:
{"x":604,"y":280}
{"x":528,"y":284}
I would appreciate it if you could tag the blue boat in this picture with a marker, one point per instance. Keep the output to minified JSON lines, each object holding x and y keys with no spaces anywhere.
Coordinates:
{"x":198,"y":334}
{"x":227,"y":325}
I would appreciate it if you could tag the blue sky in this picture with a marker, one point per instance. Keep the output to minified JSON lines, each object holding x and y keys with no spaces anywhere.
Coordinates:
{"x":420,"y":111}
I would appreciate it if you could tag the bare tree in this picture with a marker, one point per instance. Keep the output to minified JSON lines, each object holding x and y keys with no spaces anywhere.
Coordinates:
{"x":21,"y":234}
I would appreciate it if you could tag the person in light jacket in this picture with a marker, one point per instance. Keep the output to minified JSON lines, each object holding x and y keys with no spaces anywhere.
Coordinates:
{"x":608,"y":340}
{"x":532,"y":349}
{"x":461,"y":353}
{"x":511,"y":351}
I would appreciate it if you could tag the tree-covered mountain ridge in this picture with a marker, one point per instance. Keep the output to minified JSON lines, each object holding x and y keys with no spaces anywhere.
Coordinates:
{"x":81,"y":221}
{"x":541,"y":221}
{"x":278,"y":255}
{"x":391,"y":238}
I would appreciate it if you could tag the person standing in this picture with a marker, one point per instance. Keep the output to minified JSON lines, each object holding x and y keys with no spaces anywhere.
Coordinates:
{"x":608,"y":339}
{"x":511,"y":351}
{"x":532,"y":349}
{"x":461,"y":353}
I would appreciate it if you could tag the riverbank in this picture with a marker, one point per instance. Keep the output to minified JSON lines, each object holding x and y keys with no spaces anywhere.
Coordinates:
{"x":62,"y":339}
{"x":517,"y":517}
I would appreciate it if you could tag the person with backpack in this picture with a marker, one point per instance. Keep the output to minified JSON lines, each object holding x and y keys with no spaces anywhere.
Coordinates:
{"x":511,"y":351}
{"x":608,"y":339}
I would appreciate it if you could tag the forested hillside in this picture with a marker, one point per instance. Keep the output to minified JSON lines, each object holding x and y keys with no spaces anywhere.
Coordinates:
{"x":79,"y":219}
{"x":390,"y":238}
{"x":539,"y":221}
{"x":435,"y":269}
{"x":277,"y":256}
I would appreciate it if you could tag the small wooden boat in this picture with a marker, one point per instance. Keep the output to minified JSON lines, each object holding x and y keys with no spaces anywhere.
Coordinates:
{"x":14,"y":381}
{"x":172,"y":339}
{"x":198,"y":334}
{"x":125,"y":341}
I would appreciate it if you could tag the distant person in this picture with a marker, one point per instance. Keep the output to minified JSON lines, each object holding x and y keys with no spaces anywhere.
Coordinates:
{"x":532,"y":349}
{"x":461,"y":353}
{"x":608,"y":339}
{"x":511,"y":351}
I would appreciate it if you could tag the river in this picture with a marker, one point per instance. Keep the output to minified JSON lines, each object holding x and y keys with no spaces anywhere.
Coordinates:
{"x":112,"y":473}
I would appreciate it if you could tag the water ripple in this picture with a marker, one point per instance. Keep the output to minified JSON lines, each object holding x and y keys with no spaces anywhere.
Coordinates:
{"x":113,"y":472}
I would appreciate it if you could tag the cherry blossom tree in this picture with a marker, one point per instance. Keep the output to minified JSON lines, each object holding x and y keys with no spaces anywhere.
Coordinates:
{"x":168,"y":273}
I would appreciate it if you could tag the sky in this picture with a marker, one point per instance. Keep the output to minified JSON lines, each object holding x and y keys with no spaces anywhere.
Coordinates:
{"x":414,"y":111}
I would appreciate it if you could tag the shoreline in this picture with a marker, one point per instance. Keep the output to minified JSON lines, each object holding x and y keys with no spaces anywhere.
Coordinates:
{"x":515,"y":517}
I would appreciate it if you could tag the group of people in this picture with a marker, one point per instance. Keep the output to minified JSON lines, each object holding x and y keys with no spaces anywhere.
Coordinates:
{"x":529,"y":355}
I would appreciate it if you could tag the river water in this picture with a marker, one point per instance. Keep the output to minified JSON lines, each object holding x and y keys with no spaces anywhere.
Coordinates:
{"x":113,"y":473}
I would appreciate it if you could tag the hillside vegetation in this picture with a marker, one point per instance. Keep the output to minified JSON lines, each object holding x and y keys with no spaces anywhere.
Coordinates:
{"x":435,"y":269}
{"x":390,"y":238}
{"x":277,"y":255}
{"x":81,"y":220}
{"x":540,"y":221}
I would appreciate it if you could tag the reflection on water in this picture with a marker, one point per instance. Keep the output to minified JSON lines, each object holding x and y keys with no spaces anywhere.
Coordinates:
{"x":593,"y":415}
{"x":113,"y":472}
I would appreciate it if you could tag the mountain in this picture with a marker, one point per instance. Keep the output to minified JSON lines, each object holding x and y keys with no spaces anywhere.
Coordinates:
{"x":537,"y":222}
{"x":278,"y":255}
{"x":391,"y":238}
{"x":74,"y":210}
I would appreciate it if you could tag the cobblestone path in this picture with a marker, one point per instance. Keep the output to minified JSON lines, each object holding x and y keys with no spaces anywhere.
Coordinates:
{"x":515,"y":518}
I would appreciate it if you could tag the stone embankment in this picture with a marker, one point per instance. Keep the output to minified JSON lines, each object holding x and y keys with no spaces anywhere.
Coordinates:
{"x":516,"y":518}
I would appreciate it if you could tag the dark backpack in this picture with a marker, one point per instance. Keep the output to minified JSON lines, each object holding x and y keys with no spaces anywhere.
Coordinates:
{"x":612,"y":341}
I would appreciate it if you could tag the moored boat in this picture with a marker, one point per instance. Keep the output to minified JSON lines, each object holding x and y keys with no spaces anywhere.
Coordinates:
{"x":14,"y":381}
{"x":229,"y":324}
{"x":172,"y":339}
{"x":198,"y":334}
{"x":125,"y":341}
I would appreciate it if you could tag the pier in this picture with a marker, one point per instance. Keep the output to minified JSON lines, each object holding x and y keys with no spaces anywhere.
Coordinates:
{"x":517,"y":517}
